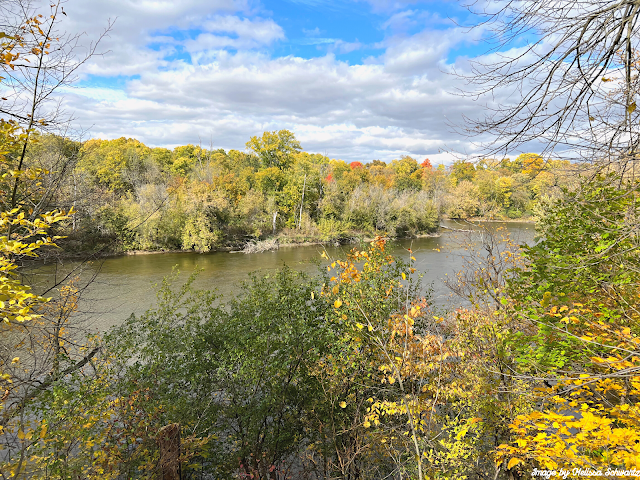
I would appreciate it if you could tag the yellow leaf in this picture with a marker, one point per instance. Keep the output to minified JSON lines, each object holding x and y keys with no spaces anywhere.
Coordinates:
{"x":360,"y":326}
{"x":631,"y":108}
{"x":337,"y":303}
{"x":404,"y":276}
{"x":343,"y":404}
{"x":513,"y":462}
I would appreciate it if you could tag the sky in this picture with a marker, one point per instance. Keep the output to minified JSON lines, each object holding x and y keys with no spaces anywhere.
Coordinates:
{"x":355,"y":79}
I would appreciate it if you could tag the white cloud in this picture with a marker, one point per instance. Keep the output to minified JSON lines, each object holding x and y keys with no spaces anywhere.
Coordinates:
{"x":247,"y":34}
{"x":109,"y":95}
{"x":191,"y":88}
{"x":400,"y":21}
{"x":341,"y":46}
{"x":316,"y":32}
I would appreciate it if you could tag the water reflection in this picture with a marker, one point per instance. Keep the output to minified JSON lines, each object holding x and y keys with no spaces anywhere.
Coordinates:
{"x":124,"y":285}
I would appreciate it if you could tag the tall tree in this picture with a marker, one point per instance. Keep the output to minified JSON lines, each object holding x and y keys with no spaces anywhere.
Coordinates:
{"x":275,"y":149}
{"x":39,"y":59}
{"x":576,"y":79}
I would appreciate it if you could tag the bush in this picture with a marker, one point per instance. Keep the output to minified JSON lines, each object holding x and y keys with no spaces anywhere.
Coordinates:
{"x":199,"y":234}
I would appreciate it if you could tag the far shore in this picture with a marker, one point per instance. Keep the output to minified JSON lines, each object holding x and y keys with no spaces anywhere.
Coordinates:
{"x":288,"y":243}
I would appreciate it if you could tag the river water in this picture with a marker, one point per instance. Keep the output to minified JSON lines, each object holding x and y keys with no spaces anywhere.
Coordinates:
{"x":125,"y":285}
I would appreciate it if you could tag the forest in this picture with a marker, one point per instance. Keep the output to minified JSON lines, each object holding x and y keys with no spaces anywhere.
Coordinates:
{"x":127,"y":196}
{"x":351,"y":373}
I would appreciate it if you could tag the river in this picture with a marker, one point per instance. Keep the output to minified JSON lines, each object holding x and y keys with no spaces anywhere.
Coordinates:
{"x":124,"y":285}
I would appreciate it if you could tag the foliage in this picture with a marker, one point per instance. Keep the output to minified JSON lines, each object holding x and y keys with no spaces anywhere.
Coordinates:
{"x":110,"y":162}
{"x":588,"y":254}
{"x":588,"y":420}
{"x":237,"y":376}
{"x":128,"y":196}
{"x":577,"y":299}
{"x":463,"y":171}
{"x":275,"y":149}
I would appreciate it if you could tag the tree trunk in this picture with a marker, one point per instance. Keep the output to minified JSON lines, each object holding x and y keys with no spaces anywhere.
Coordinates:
{"x":169,"y":442}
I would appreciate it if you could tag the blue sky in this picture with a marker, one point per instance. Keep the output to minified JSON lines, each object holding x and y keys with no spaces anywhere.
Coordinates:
{"x":360,"y":80}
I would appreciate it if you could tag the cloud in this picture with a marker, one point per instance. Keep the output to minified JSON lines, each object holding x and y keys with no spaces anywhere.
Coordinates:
{"x":140,"y":39}
{"x":400,"y":21}
{"x":346,"y":47}
{"x":316,"y":32}
{"x":207,"y":69}
{"x":316,"y":41}
{"x":359,"y":112}
{"x":109,"y":95}
{"x":392,"y":5}
{"x":245,"y":34}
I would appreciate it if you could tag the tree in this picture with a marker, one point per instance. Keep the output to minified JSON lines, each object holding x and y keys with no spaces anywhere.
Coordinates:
{"x":575,"y":299}
{"x":37,"y":350}
{"x":565,"y":73}
{"x":408,"y":175}
{"x":463,"y":201}
{"x":114,"y":164}
{"x":239,"y":376}
{"x":38,"y":60}
{"x":275,"y":149}
{"x":586,"y":254}
{"x":463,"y":171}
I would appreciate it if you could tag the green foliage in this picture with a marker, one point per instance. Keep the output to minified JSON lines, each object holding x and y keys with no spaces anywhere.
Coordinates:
{"x":275,"y":149}
{"x":109,"y":161}
{"x":237,"y":375}
{"x":587,"y":248}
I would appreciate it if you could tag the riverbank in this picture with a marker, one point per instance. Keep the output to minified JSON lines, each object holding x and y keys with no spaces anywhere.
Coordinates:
{"x":283,"y":240}
{"x":289,"y":239}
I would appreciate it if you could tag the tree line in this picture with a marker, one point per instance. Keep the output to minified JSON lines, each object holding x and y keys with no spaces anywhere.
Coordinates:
{"x":127,"y":196}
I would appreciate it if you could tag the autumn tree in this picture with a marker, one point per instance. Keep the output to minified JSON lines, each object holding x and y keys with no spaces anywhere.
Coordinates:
{"x":567,"y":105}
{"x":114,"y":163}
{"x":38,"y":60}
{"x":275,"y":149}
{"x":38,"y":352}
{"x":463,"y":171}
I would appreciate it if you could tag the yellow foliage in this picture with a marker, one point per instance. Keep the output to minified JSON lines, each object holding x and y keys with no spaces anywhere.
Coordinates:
{"x":589,"y":420}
